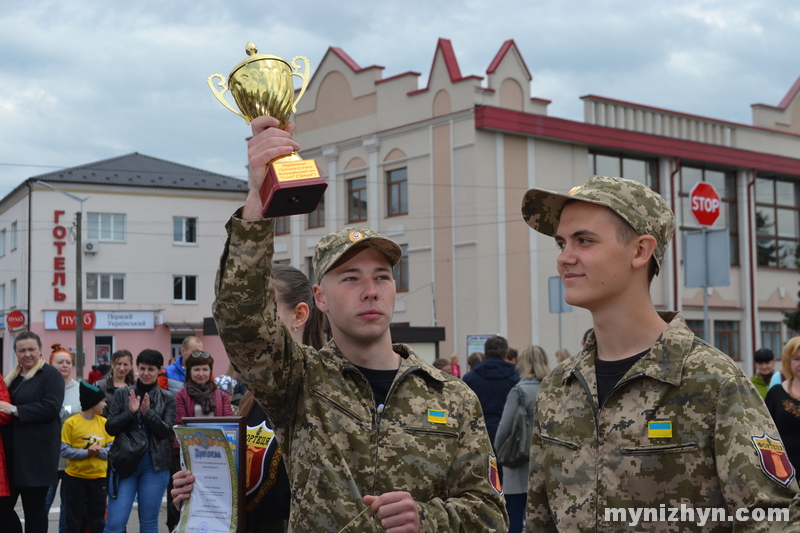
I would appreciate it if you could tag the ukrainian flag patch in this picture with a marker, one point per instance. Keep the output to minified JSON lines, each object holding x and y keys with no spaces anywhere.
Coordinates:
{"x":659,"y":429}
{"x":437,"y":416}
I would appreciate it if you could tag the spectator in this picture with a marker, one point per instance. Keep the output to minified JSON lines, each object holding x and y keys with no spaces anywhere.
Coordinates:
{"x":63,"y":361}
{"x":562,"y":355}
{"x":121,"y":376}
{"x":176,"y":372}
{"x":146,"y":408}
{"x":491,"y":380}
{"x":199,"y":397}
{"x":473,"y":360}
{"x":532,"y":366}
{"x":443,"y":365}
{"x":32,"y":439}
{"x":454,"y":366}
{"x":5,"y":484}
{"x":783,"y":401}
{"x":268,"y":502}
{"x":84,"y":443}
{"x":764,"y":361}
{"x":95,"y":375}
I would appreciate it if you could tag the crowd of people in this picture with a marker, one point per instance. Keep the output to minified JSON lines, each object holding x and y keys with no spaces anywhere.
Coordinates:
{"x":371,"y":437}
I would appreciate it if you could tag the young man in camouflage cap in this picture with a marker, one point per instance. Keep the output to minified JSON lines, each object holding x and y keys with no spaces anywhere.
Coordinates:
{"x":646,"y":415}
{"x":362,"y":422}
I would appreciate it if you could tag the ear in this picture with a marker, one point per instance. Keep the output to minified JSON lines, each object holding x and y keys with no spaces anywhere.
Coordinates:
{"x":301,"y":314}
{"x":319,"y":297}
{"x":645,"y":247}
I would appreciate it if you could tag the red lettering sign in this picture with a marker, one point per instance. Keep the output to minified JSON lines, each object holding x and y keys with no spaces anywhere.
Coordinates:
{"x":66,"y":320}
{"x":15,"y":320}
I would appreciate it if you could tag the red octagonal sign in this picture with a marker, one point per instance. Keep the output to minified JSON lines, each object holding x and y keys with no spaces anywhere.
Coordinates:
{"x":705,"y":203}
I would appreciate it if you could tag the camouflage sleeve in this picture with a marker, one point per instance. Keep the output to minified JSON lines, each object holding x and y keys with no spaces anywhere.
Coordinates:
{"x":472,"y":504}
{"x":746,"y":465}
{"x":245,"y":310}
{"x":538,"y":517}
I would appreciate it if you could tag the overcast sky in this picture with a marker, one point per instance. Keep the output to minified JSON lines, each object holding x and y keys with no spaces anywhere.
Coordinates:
{"x":83,"y":80}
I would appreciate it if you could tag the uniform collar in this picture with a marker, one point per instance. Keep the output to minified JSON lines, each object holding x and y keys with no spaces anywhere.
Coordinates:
{"x":664,"y":362}
{"x":411,"y":362}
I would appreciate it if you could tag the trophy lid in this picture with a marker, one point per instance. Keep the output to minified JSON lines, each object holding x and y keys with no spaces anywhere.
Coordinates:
{"x":253,"y":56}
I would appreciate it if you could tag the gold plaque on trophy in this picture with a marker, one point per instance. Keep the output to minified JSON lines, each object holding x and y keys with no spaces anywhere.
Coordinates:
{"x":263,"y":85}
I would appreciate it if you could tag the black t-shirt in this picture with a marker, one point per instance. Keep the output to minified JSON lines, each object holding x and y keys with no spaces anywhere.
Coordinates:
{"x":380,"y":381}
{"x":610,"y":372}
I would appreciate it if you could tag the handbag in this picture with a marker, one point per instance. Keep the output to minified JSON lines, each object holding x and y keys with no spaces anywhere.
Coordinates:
{"x":126,"y":452}
{"x":516,"y":449}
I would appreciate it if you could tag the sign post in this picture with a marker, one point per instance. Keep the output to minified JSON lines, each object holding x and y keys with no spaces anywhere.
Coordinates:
{"x":557,"y":303}
{"x":705,"y":205}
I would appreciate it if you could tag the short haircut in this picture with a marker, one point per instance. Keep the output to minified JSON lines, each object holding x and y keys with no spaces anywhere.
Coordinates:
{"x":625,"y":234}
{"x":27,"y":335}
{"x":440,"y":363}
{"x":474,"y":358}
{"x":184,"y":344}
{"x":150,"y":357}
{"x":496,"y":346}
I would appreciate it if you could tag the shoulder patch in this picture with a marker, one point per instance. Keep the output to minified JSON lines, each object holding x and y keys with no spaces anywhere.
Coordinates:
{"x":494,"y":474}
{"x":773,"y":458}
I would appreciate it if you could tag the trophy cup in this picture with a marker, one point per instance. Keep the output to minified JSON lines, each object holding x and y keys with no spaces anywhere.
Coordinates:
{"x":262,"y":85}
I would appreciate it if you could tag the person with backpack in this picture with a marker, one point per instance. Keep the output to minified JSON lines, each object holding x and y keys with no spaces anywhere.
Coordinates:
{"x":513,"y":440}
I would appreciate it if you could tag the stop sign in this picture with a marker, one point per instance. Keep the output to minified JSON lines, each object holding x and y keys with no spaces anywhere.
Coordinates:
{"x":705,"y":203}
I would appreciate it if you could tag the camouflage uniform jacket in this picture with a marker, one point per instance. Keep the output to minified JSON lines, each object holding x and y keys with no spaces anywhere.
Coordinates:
{"x":586,"y":459}
{"x":338,"y":446}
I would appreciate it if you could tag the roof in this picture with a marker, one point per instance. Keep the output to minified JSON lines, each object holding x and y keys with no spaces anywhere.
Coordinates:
{"x":137,"y":170}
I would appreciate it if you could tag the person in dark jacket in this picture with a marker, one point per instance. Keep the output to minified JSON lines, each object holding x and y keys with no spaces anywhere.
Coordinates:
{"x":33,"y":439}
{"x":491,"y":380}
{"x":149,"y":409}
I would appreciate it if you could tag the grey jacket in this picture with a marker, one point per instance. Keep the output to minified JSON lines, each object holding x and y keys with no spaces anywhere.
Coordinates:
{"x":515,"y":480}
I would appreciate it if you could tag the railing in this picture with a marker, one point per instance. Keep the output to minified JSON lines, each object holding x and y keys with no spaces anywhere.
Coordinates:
{"x":644,"y":119}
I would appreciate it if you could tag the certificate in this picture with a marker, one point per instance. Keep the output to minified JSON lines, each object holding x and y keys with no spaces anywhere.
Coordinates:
{"x":213,"y":506}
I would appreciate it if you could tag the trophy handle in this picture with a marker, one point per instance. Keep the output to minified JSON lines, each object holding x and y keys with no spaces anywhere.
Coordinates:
{"x":219,"y":94}
{"x":303,"y":76}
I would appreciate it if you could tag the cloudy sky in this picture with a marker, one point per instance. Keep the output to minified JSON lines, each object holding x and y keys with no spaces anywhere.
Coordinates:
{"x":83,"y":80}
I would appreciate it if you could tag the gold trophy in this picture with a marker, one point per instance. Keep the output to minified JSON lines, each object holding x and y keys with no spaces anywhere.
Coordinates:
{"x":262,"y":85}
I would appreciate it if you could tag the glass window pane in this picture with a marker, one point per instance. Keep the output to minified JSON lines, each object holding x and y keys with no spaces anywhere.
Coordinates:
{"x":788,"y":254}
{"x":404,"y":197}
{"x":765,"y":221}
{"x":119,"y":227}
{"x":177,"y":229}
{"x":606,"y":165}
{"x":634,"y":169}
{"x":91,"y":286}
{"x":93,"y":226}
{"x":191,"y":230}
{"x":191,"y":288}
{"x":105,"y":287}
{"x":787,"y":223}
{"x":765,"y":252}
{"x":689,"y":177}
{"x":784,"y":193}
{"x":764,"y":191}
{"x":105,"y":226}
{"x":177,"y":289}
{"x":119,"y":288}
{"x":717,"y":179}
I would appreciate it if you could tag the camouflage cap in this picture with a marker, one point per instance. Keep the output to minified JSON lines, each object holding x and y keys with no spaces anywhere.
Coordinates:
{"x":333,"y":246}
{"x":644,"y":209}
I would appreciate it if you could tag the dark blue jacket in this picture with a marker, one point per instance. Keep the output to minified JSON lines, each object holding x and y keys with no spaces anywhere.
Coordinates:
{"x":491,"y":380}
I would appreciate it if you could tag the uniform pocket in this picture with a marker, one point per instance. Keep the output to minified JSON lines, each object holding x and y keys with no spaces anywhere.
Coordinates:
{"x":432,"y":432}
{"x":655,"y":449}
{"x":546,"y":439}
{"x":349,"y":413}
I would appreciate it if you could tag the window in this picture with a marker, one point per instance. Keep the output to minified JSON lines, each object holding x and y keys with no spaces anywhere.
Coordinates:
{"x":357,"y":199}
{"x":697,"y":327}
{"x":771,"y":337}
{"x":400,"y":271}
{"x":12,"y":294}
{"x":105,"y":227}
{"x":14,"y":235}
{"x":316,"y":218}
{"x":2,"y":242}
{"x":397,"y":192}
{"x":777,"y":222}
{"x":642,"y":170}
{"x":105,"y":287}
{"x":184,"y":289}
{"x":282,"y":226}
{"x":2,"y":296}
{"x":726,"y":337}
{"x":725,"y":184}
{"x":184,"y":230}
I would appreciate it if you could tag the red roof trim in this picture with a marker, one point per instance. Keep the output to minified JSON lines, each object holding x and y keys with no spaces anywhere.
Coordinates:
{"x":502,"y":54}
{"x":688,"y":115}
{"x":450,"y":60}
{"x":402,"y":75}
{"x":349,"y":60}
{"x":790,"y":95}
{"x":493,"y":118}
{"x":543,"y":100}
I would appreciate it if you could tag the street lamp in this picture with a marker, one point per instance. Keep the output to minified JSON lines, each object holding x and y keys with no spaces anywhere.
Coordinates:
{"x":78,"y":281}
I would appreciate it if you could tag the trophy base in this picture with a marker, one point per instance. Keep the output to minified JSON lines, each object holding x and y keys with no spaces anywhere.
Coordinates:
{"x":292,"y":186}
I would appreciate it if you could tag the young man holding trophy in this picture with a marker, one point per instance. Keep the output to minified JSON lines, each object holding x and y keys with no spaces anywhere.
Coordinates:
{"x":374,"y":438}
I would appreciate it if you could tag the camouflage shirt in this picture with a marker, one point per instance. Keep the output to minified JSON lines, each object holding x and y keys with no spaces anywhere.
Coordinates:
{"x":429,"y":438}
{"x":586,"y":459}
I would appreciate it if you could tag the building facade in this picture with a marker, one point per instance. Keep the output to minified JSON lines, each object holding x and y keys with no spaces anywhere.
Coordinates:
{"x":442,"y":170}
{"x":152,"y":234}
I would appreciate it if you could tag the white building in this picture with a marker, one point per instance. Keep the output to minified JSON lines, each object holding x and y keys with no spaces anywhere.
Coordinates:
{"x":153,"y":232}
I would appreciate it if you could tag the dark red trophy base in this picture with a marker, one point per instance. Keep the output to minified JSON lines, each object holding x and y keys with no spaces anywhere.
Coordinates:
{"x":291,"y":188}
